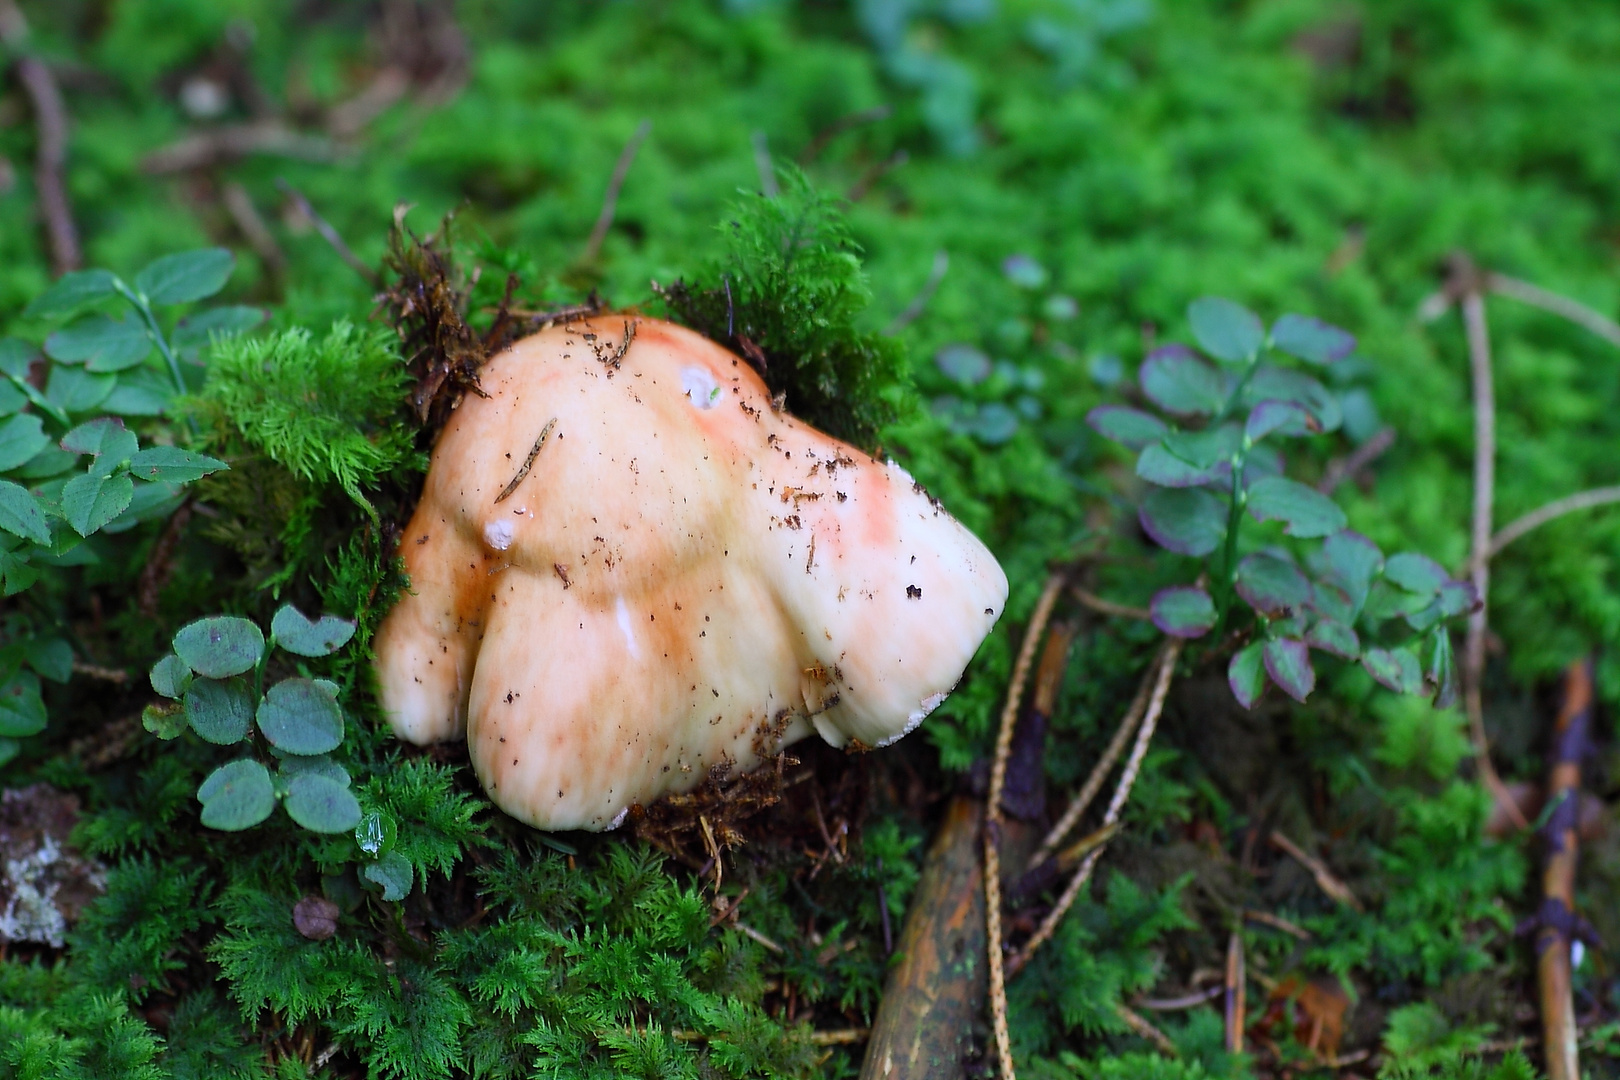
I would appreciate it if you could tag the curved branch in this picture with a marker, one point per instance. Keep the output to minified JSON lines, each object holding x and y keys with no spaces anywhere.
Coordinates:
{"x":1576,"y":312}
{"x":1569,"y":504}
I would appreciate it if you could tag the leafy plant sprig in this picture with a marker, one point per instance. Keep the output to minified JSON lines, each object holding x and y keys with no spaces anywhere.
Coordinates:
{"x":1212,"y":466}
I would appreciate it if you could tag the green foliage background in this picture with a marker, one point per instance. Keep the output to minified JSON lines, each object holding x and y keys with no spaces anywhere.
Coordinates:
{"x":1290,"y":155}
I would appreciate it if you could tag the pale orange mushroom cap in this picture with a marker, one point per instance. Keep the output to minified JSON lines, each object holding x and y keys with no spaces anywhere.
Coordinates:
{"x":683,"y":578}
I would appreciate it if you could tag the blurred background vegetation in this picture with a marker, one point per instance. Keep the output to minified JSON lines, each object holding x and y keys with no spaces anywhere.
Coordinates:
{"x":1040,"y":187}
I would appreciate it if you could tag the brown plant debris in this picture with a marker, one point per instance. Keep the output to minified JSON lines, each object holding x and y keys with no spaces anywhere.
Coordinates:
{"x":710,"y":818}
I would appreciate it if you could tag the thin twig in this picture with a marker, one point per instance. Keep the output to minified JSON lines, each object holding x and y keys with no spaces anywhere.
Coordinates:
{"x":328,"y":233}
{"x":528,"y":462}
{"x":1576,"y":312}
{"x":1139,"y":1024}
{"x":221,"y":145}
{"x":1479,"y":567}
{"x":1342,"y":469}
{"x":117,"y":676}
{"x":1176,"y":1004}
{"x":759,"y":937}
{"x":1326,"y":880}
{"x":1099,"y":772}
{"x":1569,"y":504}
{"x":1276,"y":922}
{"x":1165,"y":668}
{"x":841,"y":125}
{"x":1109,"y":607}
{"x":936,"y":274}
{"x":610,"y":201}
{"x":50,"y":156}
{"x":251,"y":224}
{"x":1234,"y":990}
{"x":762,"y":163}
{"x":992,"y":818}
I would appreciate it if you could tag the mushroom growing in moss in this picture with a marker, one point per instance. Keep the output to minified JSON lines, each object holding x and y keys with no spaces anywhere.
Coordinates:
{"x":627,"y":568}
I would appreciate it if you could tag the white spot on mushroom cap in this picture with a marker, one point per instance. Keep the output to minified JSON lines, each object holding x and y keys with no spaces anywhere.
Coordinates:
{"x":699,"y":385}
{"x":498,"y":534}
{"x":622,"y":613}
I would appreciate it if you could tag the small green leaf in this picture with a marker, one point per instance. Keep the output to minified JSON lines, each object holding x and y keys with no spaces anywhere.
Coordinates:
{"x":320,"y":637}
{"x":170,"y":676}
{"x":172,"y":464}
{"x":1353,"y":561}
{"x":1203,"y":449}
{"x":237,"y":796}
{"x":1184,"y":520}
{"x":140,"y":392}
{"x":22,"y":710}
{"x":300,"y":717}
{"x":1311,"y":339}
{"x":186,"y":276}
{"x":1272,"y":586}
{"x":1386,"y":601}
{"x":1288,"y":662}
{"x":393,"y":873}
{"x":1280,"y":384}
{"x":1227,"y":331}
{"x":1397,"y":669}
{"x":21,"y":437}
{"x":1158,"y":465}
{"x":1305,"y":512}
{"x":100,"y":343}
{"x":90,"y":501}
{"x":321,"y":764}
{"x":51,"y":657}
{"x":1416,"y":573}
{"x":1177,"y":381}
{"x":1246,"y":674}
{"x":1279,"y":417}
{"x":1183,"y":611}
{"x":104,"y":435}
{"x":166,"y":720}
{"x":321,"y":804}
{"x":20,"y":514}
{"x":74,"y":389}
{"x":71,"y":292}
{"x":205,"y":326}
{"x":220,"y":646}
{"x":1442,"y":672}
{"x":376,"y":833}
{"x":1332,"y":636}
{"x":1132,"y":427}
{"x":219,"y":710}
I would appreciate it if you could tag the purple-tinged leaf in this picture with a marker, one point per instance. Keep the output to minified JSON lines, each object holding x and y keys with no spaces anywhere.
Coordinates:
{"x":1227,"y":331}
{"x":1457,"y":598}
{"x":1288,"y":662}
{"x":1332,"y":602}
{"x":1304,"y":511}
{"x":1354,"y":560}
{"x":1332,"y":636}
{"x":1246,"y":674}
{"x":1442,"y":672}
{"x":1176,"y":380}
{"x":1186,"y":521}
{"x":1159,"y":466}
{"x":1425,"y":617}
{"x":1202,"y":449}
{"x":1416,"y":573}
{"x":1385,"y":601}
{"x":1263,"y":461}
{"x":1397,"y":669}
{"x":1132,"y":427}
{"x":1272,"y":586}
{"x":1281,"y":384}
{"x":1183,"y":611}
{"x":1311,"y":339}
{"x":1280,"y":417}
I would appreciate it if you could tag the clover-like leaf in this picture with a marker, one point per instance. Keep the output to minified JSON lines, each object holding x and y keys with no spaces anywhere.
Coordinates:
{"x":1288,"y":662}
{"x":1175,"y":379}
{"x":392,"y":873}
{"x":170,"y":676}
{"x":172,"y":464}
{"x":237,"y":796}
{"x":310,"y":637}
{"x":1333,"y":636}
{"x":100,"y":343}
{"x":186,"y":276}
{"x":1226,"y":330}
{"x":1311,"y":339}
{"x":1281,"y":418}
{"x":70,"y":292}
{"x":1304,"y":511}
{"x":21,"y":515}
{"x":1246,"y":674}
{"x":1183,"y":611}
{"x":22,"y":710}
{"x":1271,"y":585}
{"x":1416,"y":573}
{"x":220,"y":646}
{"x":21,"y":437}
{"x":301,"y":716}
{"x":90,"y":501}
{"x":1132,"y":427}
{"x":1186,"y":521}
{"x":219,"y":710}
{"x":321,"y":804}
{"x":1397,"y":669}
{"x":1157,"y":465}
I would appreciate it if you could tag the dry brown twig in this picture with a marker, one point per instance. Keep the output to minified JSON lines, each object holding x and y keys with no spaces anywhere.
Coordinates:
{"x":1569,"y":504}
{"x":333,"y":238}
{"x":50,"y":156}
{"x":1109,"y":607}
{"x":610,"y":200}
{"x":1140,"y":1025}
{"x":1234,"y":991}
{"x":992,"y":818}
{"x":1165,"y":667}
{"x":1326,"y":880}
{"x":1341,"y":469}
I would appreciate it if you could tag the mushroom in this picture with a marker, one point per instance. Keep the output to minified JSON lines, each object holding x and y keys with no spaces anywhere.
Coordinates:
{"x":628,"y":568}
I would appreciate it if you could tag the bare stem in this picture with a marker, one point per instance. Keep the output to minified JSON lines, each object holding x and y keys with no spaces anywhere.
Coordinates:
{"x":328,"y":233}
{"x":610,"y":201}
{"x":50,"y":158}
{"x":1576,"y":312}
{"x":1109,"y":607}
{"x":1569,"y":504}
